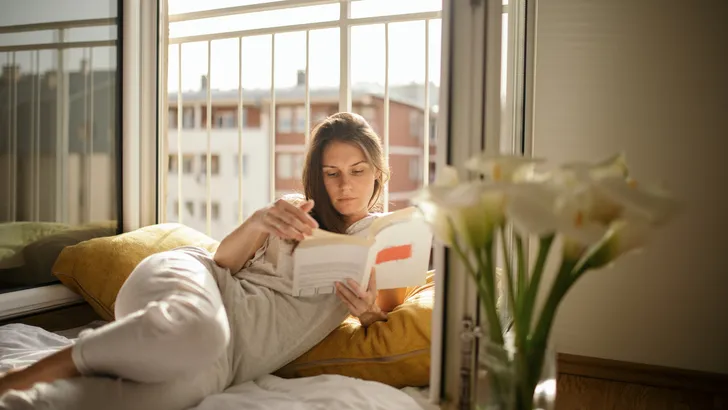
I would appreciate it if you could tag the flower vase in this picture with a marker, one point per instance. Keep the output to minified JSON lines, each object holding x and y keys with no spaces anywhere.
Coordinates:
{"x":501,"y":383}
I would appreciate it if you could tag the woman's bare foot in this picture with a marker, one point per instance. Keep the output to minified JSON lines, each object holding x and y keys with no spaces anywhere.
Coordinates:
{"x":56,"y":366}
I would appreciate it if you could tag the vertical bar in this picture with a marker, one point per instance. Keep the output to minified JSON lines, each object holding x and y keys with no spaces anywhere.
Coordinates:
{"x":241,"y":117}
{"x":36,"y":153}
{"x":345,"y":57}
{"x":163,"y":112}
{"x":426,"y":133}
{"x":85,"y":202}
{"x":10,"y":133}
{"x":208,"y":178}
{"x":31,"y":184}
{"x":385,"y":126}
{"x":90,"y":134}
{"x":272,"y":142}
{"x":60,"y":155}
{"x":179,"y":133}
{"x":10,"y":136}
{"x":307,"y":125}
{"x":14,"y":188}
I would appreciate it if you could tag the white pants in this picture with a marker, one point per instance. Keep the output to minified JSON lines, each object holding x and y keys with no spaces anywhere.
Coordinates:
{"x":168,"y":348}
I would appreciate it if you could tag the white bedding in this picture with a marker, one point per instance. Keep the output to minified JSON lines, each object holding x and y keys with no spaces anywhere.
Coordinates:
{"x":21,"y":345}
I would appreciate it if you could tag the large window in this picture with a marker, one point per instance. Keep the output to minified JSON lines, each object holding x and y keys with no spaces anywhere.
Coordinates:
{"x":59,"y":138}
{"x":296,"y":63}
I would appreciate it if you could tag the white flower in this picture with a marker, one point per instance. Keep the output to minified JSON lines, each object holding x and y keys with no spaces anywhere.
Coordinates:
{"x":503,"y":168}
{"x":585,"y":203}
{"x":472,"y":209}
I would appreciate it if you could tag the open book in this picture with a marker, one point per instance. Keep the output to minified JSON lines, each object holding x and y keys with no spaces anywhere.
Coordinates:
{"x":398,"y":247}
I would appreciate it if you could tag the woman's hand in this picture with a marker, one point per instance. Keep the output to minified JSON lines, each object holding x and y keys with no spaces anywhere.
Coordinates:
{"x":286,"y":220}
{"x":362,"y":304}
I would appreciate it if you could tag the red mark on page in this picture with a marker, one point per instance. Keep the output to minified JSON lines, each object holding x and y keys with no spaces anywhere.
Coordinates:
{"x":394,"y":253}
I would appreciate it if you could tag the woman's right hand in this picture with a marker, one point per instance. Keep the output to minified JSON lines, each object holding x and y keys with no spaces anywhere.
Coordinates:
{"x":286,"y":220}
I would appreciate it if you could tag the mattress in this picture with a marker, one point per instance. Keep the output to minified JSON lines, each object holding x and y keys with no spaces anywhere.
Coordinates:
{"x":21,"y":345}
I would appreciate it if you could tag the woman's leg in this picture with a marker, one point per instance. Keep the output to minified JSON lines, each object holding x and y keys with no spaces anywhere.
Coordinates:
{"x":170,"y":321}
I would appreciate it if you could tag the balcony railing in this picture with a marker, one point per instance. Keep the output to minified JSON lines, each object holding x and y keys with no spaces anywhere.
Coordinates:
{"x":344,"y":23}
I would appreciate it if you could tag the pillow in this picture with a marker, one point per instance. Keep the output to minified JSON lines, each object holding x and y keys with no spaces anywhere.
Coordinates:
{"x":395,"y":352}
{"x":97,"y":268}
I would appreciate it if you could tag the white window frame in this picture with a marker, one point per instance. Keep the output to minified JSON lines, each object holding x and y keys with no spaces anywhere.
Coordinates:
{"x":142,"y":161}
{"x":299,"y":121}
{"x":284,"y":122}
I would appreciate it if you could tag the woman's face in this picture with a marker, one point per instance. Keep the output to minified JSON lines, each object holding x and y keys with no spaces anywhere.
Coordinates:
{"x":349,"y":179}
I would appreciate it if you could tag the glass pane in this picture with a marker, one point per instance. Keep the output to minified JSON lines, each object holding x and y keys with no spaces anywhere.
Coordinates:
{"x":58,"y":137}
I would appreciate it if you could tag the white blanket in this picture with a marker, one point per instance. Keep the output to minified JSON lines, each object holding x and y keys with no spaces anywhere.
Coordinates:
{"x":21,"y":345}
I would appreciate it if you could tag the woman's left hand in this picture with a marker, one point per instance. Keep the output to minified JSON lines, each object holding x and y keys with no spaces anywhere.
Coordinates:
{"x":362,"y":304}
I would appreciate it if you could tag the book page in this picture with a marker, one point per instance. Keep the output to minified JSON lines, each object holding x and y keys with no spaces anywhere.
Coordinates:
{"x":401,"y":254}
{"x":316,"y":269}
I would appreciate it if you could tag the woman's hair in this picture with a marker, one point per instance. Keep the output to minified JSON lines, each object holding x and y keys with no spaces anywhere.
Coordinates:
{"x":352,"y":129}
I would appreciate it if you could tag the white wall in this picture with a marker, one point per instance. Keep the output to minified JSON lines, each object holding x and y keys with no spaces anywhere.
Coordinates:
{"x":649,"y":77}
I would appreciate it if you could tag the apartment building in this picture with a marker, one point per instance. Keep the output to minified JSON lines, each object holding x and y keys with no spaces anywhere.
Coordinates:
{"x":187,"y":188}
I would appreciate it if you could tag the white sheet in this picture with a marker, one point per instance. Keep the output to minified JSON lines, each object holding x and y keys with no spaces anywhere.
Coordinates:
{"x":21,"y":345}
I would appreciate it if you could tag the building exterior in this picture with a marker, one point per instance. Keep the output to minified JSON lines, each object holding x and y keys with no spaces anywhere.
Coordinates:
{"x":406,"y":147}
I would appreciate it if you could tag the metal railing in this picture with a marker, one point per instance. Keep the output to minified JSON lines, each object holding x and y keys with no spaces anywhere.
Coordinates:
{"x":344,"y":23}
{"x":63,"y":97}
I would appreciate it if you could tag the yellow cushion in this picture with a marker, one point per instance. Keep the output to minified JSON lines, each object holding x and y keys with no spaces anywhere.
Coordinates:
{"x":97,"y":268}
{"x":395,"y":352}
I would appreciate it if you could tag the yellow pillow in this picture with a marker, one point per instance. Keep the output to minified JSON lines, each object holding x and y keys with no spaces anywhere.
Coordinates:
{"x":97,"y":268}
{"x":395,"y":352}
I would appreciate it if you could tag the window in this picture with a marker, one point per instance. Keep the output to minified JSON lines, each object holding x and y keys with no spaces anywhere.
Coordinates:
{"x":298,"y":166}
{"x":433,"y":131}
{"x":187,"y":163}
{"x":284,"y":116}
{"x":284,"y":166}
{"x":190,"y":207}
{"x":415,"y":169}
{"x":188,"y":117}
{"x":214,"y":164}
{"x":417,"y":124}
{"x":236,"y":167}
{"x":172,"y":164}
{"x":225,"y":119}
{"x":369,"y":114}
{"x":172,"y":118}
{"x":214,"y":210}
{"x":300,"y":119}
{"x":318,"y":116}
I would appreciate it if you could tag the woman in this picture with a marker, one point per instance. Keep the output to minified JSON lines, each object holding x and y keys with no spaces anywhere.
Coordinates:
{"x":190,"y":324}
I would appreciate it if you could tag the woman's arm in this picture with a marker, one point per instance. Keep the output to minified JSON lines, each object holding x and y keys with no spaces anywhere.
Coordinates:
{"x":282,"y":219}
{"x":388,"y":299}
{"x":240,"y":245}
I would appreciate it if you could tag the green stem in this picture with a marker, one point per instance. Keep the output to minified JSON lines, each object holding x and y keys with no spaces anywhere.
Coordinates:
{"x":486,"y":266}
{"x":508,"y":274}
{"x":529,"y":300}
{"x":488,"y":302}
{"x":536,"y":347}
{"x":521,"y":365}
{"x":521,"y":285}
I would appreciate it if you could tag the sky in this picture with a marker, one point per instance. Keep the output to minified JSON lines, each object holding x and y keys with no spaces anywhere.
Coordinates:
{"x":406,"y":42}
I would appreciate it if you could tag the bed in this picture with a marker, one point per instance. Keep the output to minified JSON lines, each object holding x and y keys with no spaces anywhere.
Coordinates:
{"x":21,"y":345}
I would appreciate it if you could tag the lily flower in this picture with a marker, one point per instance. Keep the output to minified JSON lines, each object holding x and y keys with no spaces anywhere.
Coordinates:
{"x":473,"y":209}
{"x":503,"y":168}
